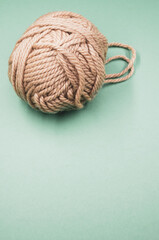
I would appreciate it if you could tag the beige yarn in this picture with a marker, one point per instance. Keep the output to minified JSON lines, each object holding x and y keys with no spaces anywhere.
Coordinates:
{"x":59,"y":62}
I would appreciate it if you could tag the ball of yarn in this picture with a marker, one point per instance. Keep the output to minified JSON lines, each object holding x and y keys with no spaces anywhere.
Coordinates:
{"x":58,"y":63}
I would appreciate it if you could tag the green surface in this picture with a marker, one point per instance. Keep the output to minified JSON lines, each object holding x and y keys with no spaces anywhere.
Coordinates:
{"x":91,"y":174}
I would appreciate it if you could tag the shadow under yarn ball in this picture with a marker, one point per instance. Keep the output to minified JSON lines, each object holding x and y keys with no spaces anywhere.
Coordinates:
{"x":59,"y":62}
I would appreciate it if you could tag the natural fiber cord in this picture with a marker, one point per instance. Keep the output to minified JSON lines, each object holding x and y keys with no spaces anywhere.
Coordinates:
{"x":59,"y":62}
{"x":114,"y":78}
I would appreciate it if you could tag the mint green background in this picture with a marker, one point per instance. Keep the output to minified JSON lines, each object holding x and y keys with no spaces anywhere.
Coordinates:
{"x":91,"y":174}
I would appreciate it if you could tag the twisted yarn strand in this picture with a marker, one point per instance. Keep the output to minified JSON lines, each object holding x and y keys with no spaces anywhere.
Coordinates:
{"x":116,"y":77}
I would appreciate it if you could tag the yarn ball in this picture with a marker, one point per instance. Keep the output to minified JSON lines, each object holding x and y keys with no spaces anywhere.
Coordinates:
{"x":59,"y":62}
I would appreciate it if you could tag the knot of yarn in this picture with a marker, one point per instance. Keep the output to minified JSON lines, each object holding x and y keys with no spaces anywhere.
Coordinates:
{"x":58,"y":63}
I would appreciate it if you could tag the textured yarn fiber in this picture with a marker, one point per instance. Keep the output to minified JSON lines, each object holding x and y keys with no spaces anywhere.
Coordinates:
{"x":59,"y":62}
